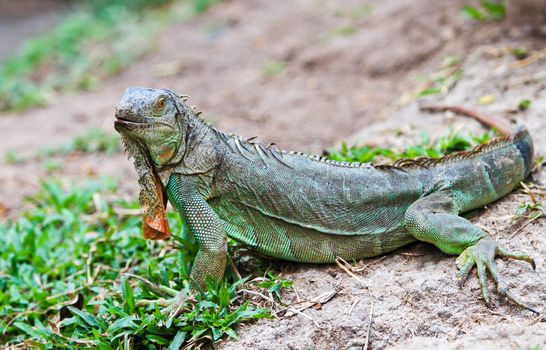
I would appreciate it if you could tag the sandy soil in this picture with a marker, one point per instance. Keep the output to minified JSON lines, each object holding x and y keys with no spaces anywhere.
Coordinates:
{"x":335,"y":87}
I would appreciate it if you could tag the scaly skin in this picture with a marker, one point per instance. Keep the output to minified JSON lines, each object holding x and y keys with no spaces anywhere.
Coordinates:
{"x":307,"y":209}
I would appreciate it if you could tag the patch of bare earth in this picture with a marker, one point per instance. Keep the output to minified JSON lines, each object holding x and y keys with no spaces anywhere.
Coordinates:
{"x":346,"y":70}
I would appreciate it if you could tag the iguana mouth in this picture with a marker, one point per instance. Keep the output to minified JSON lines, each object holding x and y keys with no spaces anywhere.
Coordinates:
{"x":129,"y":124}
{"x":125,"y":115}
{"x":129,"y":121}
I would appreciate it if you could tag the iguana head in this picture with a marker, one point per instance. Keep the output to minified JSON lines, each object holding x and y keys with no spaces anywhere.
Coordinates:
{"x":151,"y":118}
{"x":151,"y":126}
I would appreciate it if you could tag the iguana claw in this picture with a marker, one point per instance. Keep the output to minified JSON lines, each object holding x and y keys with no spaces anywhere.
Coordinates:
{"x":175,"y":305}
{"x":170,"y":307}
{"x":482,"y":254}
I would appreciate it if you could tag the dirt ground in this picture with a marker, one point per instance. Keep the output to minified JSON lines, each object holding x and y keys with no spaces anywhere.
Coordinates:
{"x":339,"y":84}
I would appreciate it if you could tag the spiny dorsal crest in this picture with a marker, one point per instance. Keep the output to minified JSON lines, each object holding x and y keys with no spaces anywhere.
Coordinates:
{"x":425,"y":162}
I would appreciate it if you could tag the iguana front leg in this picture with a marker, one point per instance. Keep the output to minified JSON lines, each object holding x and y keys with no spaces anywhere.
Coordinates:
{"x":435,"y":219}
{"x":209,"y":233}
{"x":205,"y":226}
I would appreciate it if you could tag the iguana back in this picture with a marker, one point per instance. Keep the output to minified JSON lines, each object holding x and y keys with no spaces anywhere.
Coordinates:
{"x":310,"y":209}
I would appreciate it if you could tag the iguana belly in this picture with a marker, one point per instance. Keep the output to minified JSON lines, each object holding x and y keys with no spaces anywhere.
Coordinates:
{"x":279,"y":239}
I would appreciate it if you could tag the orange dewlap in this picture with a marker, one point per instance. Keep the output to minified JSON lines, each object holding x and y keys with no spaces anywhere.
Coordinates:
{"x":154,"y":224}
{"x":156,"y":228}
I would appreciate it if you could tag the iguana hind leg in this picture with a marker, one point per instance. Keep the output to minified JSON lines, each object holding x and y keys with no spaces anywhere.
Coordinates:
{"x":434,"y":219}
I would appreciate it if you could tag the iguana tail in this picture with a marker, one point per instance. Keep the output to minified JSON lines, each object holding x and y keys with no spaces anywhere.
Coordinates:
{"x":519,"y":135}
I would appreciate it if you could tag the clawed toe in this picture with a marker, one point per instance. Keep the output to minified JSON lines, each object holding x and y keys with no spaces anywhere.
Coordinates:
{"x":170,"y":307}
{"x":466,"y":263}
{"x":503,"y":291}
{"x":482,"y":275}
{"x":175,"y":306}
{"x":517,"y":256}
{"x":482,"y":255}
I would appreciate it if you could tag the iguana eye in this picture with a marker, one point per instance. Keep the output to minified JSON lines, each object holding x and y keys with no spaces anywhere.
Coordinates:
{"x":161,"y":103}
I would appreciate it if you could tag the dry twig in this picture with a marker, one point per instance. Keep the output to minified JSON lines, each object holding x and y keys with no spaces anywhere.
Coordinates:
{"x":348,"y":268}
{"x":369,"y":325}
{"x":321,"y":299}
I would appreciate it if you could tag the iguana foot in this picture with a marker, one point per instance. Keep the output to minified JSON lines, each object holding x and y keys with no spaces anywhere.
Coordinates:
{"x":482,"y":254}
{"x":170,"y":307}
{"x":175,"y":305}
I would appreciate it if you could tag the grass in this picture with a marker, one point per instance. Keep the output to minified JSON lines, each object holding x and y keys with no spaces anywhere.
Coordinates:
{"x":445,"y":79}
{"x":350,"y":20}
{"x":359,"y":12}
{"x":343,"y":31}
{"x":93,"y":141}
{"x":426,"y":148}
{"x":520,"y":53}
{"x":12,"y":157}
{"x":534,"y":210}
{"x":488,"y":10}
{"x":273,"y":67}
{"x":531,"y":211}
{"x":524,"y":104}
{"x":94,"y":42}
{"x":274,"y":285}
{"x":69,"y":280}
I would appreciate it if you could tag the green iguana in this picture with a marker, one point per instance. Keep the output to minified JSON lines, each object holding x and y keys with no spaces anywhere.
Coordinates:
{"x":310,"y":209}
